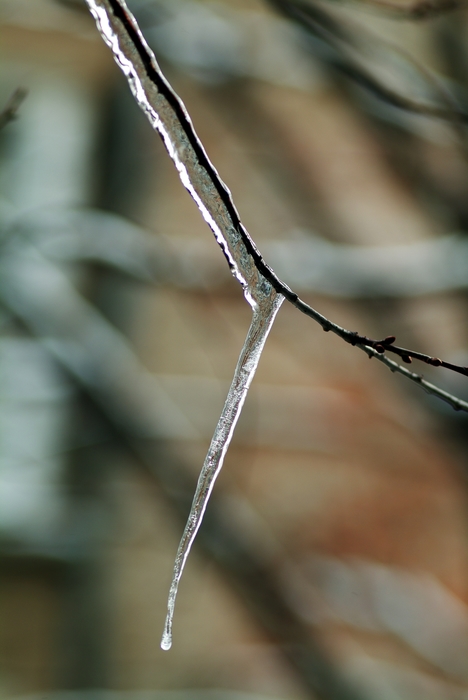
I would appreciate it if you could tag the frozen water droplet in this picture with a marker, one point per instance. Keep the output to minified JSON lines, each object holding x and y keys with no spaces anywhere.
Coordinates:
{"x":166,"y":641}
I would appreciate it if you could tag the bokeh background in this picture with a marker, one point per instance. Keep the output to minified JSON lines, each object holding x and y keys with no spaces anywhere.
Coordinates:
{"x":333,"y":560}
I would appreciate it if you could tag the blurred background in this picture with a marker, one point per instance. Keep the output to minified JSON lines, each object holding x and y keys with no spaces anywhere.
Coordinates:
{"x":333,"y":562}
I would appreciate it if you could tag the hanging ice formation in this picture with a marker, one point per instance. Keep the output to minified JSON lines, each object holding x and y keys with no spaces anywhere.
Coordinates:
{"x":169,"y":117}
{"x":263,"y":317}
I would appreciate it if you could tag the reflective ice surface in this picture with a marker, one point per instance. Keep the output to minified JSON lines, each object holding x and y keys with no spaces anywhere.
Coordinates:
{"x":262,"y":321}
{"x":169,"y":117}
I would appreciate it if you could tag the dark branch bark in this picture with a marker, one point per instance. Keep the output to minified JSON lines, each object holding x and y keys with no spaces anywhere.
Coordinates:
{"x":145,"y":68}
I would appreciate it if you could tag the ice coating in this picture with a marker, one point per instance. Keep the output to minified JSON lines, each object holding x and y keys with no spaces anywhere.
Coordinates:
{"x":169,"y":117}
{"x":260,"y":326}
{"x":164,"y":110}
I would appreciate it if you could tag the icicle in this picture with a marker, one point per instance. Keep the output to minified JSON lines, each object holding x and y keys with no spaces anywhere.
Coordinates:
{"x":262,"y":321}
{"x":169,"y":117}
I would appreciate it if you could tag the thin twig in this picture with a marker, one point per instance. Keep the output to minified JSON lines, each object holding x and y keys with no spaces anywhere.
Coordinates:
{"x":387,"y":345}
{"x":456,"y":403}
{"x":168,"y":115}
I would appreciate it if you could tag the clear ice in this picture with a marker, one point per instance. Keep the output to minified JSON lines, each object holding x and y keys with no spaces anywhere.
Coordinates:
{"x":262,"y":321}
{"x":214,"y":201}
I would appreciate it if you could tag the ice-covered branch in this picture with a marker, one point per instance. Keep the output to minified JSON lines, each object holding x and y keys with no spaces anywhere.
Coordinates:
{"x":263,"y":290}
{"x":168,"y":116}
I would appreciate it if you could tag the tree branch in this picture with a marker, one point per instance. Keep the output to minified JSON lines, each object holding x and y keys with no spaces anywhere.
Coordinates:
{"x":168,"y":115}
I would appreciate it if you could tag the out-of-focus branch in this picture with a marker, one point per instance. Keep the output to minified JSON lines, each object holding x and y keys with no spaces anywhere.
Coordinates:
{"x":253,"y":577}
{"x":100,"y":361}
{"x":320,"y":24}
{"x":310,"y":262}
{"x":419,"y":10}
{"x":72,"y":235}
{"x":211,"y":195}
{"x":79,"y":5}
{"x":10,"y":111}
